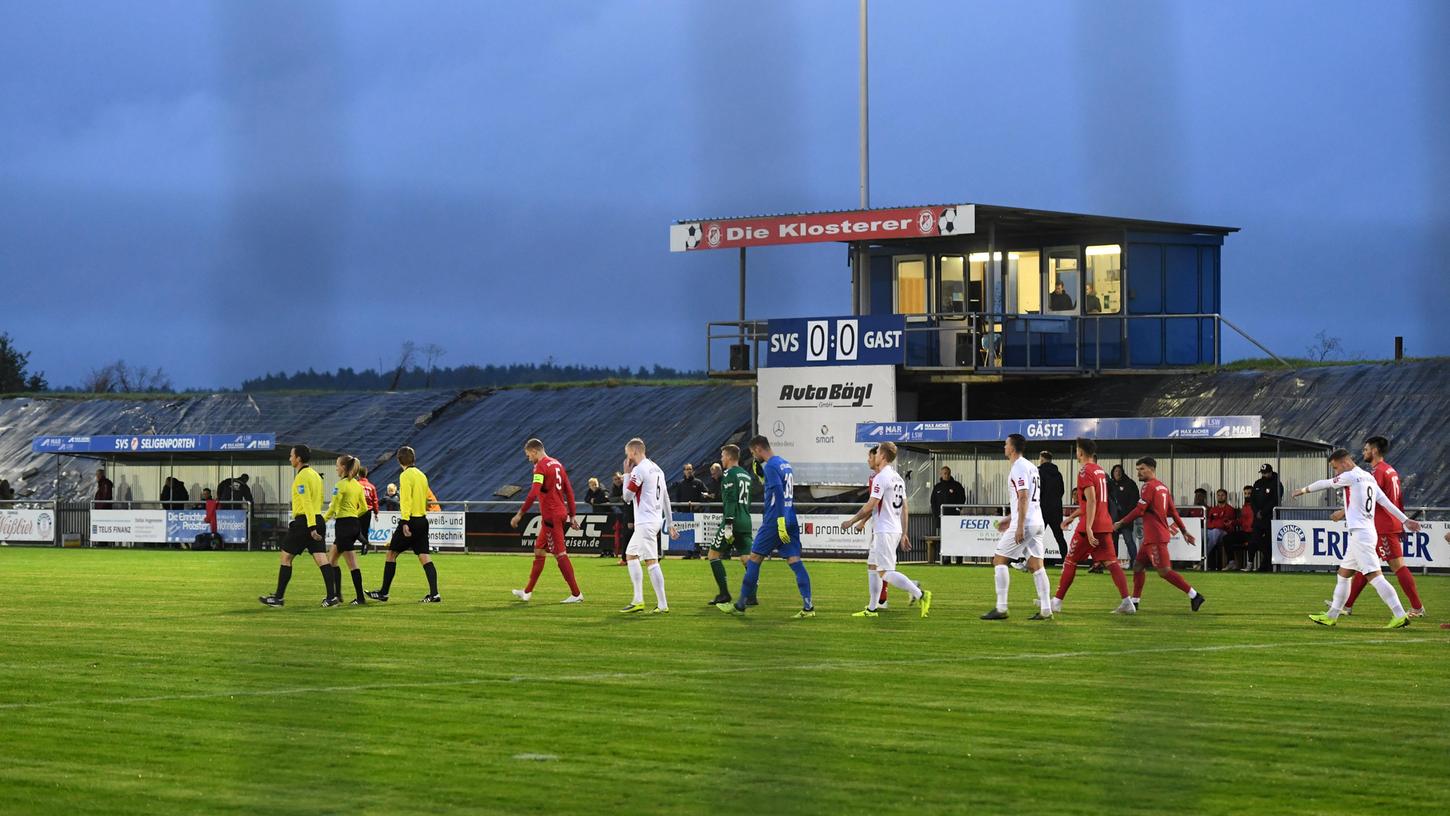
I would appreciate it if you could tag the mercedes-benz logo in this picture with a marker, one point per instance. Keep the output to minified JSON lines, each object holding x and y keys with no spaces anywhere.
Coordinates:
{"x":779,"y":428}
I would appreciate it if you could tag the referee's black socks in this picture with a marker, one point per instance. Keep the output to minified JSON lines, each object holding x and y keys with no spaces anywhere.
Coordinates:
{"x":432,"y":573}
{"x":357,"y":583}
{"x":389,"y":569}
{"x":284,"y":574}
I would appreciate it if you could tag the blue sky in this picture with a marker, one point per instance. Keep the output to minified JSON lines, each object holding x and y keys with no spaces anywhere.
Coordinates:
{"x":230,"y":188}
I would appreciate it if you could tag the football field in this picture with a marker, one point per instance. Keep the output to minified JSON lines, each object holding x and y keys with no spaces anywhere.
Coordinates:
{"x":153,"y":682}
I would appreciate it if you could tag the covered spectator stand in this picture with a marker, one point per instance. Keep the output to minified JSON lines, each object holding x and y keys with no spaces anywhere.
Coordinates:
{"x":1208,"y":452}
{"x":142,"y":511}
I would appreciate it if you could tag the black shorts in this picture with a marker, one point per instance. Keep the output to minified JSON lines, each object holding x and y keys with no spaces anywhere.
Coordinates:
{"x":417,"y":542}
{"x":299,"y":538}
{"x":347,"y":535}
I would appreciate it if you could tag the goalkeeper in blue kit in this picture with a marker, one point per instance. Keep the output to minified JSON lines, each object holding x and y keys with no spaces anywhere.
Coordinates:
{"x":779,"y":533}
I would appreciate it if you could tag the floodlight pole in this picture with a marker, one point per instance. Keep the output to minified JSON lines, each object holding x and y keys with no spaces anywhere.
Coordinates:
{"x":858,"y":271}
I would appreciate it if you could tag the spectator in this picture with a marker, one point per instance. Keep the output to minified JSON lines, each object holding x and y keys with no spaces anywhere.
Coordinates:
{"x":1051,"y":500}
{"x":174,"y":493}
{"x":1060,"y":300}
{"x":716,"y":474}
{"x":688,"y":490}
{"x":1222,"y":518}
{"x":1235,"y":544}
{"x":105,"y":490}
{"x":235,"y":490}
{"x":623,"y":516}
{"x":7,"y":493}
{"x":370,"y":495}
{"x":434,"y":506}
{"x":209,"y":504}
{"x":1090,"y":302}
{"x":390,"y":498}
{"x":946,"y":493}
{"x":597,"y":497}
{"x":1268,"y":492}
{"x":1200,"y":497}
{"x":1122,"y":499}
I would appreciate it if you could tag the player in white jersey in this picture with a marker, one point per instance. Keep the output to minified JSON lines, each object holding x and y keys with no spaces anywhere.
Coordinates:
{"x":646,"y":488}
{"x":1022,"y":532}
{"x":1361,"y":494}
{"x":888,"y":506}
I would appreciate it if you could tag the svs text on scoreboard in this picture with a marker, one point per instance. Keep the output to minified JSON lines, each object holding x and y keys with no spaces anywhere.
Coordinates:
{"x":824,"y":341}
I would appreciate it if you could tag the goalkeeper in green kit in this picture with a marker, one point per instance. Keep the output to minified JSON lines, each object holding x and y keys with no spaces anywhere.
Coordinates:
{"x":734,"y":536}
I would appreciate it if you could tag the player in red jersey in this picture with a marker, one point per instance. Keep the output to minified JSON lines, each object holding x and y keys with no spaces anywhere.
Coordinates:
{"x":1093,"y":538}
{"x":1155,"y":505}
{"x":556,"y":507}
{"x":1386,"y":527}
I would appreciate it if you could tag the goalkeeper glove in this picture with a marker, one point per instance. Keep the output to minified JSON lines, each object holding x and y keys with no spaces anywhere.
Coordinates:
{"x":784,"y":533}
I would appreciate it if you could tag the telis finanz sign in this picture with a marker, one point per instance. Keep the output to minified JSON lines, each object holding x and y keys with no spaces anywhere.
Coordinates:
{"x":831,"y":341}
{"x":809,"y":414}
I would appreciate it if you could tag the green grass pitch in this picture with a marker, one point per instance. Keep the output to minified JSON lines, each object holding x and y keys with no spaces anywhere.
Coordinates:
{"x":153,"y":682}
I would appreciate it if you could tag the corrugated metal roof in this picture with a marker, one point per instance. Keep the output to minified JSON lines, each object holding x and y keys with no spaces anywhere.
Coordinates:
{"x":1408,"y":403}
{"x":1015,"y":215}
{"x":468,"y":442}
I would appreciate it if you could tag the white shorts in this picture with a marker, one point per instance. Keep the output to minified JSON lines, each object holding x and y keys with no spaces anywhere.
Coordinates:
{"x":883,"y":550}
{"x":1359,"y":554}
{"x":644,"y":544}
{"x":1031,"y":546}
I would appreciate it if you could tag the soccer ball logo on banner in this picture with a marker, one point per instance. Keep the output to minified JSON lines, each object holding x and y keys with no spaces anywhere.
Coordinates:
{"x":947,"y":223}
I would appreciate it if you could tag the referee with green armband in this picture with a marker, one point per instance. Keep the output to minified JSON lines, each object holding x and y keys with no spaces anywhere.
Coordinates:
{"x":733,"y":537}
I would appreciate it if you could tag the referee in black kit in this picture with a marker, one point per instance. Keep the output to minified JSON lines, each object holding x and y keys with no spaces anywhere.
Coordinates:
{"x":411,"y":534}
{"x":307,"y":530}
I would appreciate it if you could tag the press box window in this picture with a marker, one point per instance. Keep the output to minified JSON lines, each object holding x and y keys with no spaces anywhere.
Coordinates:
{"x":911,"y":286}
{"x":1103,"y":284}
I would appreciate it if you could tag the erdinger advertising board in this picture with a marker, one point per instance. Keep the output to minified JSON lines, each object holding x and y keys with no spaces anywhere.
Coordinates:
{"x":853,"y":225}
{"x":810,"y":415}
{"x":1322,"y":543}
{"x":976,"y":537}
{"x":445,"y":530}
{"x":17,"y":524}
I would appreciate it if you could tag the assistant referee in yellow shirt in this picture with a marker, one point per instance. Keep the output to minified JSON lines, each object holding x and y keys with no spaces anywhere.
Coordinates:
{"x":412,"y":531}
{"x":307,"y":528}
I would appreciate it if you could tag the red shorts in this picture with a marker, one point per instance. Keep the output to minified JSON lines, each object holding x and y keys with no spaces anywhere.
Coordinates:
{"x":551,"y":536}
{"x":1390,"y":547}
{"x":1079,"y":551}
{"x":1153,"y":554}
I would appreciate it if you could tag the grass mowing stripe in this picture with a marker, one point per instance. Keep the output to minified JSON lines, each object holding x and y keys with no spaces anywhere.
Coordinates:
{"x":231,"y":708}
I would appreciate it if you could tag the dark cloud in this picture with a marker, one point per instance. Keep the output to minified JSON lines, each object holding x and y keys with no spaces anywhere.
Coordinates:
{"x":230,"y":188}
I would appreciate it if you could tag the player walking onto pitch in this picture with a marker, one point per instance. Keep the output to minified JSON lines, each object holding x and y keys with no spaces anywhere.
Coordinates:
{"x":646,"y":486}
{"x":556,"y":507}
{"x":1155,"y":505}
{"x":779,"y":532}
{"x":1387,"y":528}
{"x":306,"y":529}
{"x":887,"y":503}
{"x":1022,"y":533}
{"x":733,"y":537}
{"x":1093,"y":537}
{"x":412,"y":531}
{"x":349,"y":506}
{"x":1361,"y":495}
